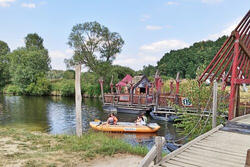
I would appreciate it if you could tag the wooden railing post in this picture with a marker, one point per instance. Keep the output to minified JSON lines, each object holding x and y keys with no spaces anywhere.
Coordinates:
{"x":215,"y":88}
{"x":247,"y":164}
{"x":154,"y":153}
{"x":158,"y":143}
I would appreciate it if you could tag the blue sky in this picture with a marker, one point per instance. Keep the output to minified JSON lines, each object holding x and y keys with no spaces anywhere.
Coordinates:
{"x":149,"y":28}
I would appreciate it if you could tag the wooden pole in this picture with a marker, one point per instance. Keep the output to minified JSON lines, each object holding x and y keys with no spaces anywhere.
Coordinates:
{"x":214,"y":104}
{"x":158,"y":143}
{"x":247,"y":164}
{"x":78,"y":99}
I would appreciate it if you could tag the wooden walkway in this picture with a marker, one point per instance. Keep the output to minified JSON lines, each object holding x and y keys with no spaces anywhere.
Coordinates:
{"x":221,"y":147}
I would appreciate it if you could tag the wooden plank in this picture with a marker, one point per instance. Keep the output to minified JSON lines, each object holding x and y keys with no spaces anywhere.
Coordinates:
{"x":193,"y":161}
{"x":241,"y":118}
{"x":204,"y":161}
{"x":189,"y":144}
{"x":149,"y":157}
{"x":222,"y":148}
{"x":230,"y":137}
{"x":247,"y":164}
{"x":228,"y":140}
{"x":213,"y":155}
{"x":177,"y":163}
{"x":231,"y":134}
{"x":168,"y":165}
{"x":219,"y":150}
{"x":158,"y":143}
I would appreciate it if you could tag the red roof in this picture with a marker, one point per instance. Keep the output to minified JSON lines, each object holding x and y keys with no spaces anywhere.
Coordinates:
{"x":125,"y":80}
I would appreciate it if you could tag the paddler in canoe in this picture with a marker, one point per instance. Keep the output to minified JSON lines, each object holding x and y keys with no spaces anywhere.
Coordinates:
{"x":113,"y":126}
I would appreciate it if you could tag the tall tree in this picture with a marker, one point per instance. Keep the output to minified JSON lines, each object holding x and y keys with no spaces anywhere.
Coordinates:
{"x":29,"y":63}
{"x":33,"y":41}
{"x":93,"y":45}
{"x":4,"y":64}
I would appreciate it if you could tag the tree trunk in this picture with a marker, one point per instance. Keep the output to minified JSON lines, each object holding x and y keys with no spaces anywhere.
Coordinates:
{"x":78,"y":99}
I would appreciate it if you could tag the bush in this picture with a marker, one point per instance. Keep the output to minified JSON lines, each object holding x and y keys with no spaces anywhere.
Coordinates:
{"x":67,"y":88}
{"x":13,"y":89}
{"x":41,"y":87}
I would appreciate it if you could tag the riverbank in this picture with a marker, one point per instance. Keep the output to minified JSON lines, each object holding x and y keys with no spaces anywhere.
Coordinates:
{"x":22,"y":148}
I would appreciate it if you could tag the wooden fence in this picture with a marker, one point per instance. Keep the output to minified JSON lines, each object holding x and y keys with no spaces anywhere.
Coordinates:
{"x":155,"y":153}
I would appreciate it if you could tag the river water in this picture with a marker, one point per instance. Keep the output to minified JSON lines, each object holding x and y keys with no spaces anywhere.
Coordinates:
{"x":56,"y":115}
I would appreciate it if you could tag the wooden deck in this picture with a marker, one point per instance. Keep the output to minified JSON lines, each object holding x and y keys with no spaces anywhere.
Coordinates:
{"x":221,"y":147}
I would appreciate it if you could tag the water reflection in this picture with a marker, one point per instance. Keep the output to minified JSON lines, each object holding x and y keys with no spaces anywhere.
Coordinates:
{"x":56,"y":115}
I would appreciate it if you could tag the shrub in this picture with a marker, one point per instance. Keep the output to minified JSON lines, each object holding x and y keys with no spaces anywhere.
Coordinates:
{"x":40,"y":87}
{"x":13,"y":89}
{"x":67,"y":88}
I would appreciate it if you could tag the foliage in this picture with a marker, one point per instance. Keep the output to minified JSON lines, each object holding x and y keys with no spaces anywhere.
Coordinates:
{"x":34,"y":42}
{"x":40,"y":87}
{"x":69,"y":74}
{"x":187,"y":60}
{"x":4,"y":67}
{"x":91,"y":90}
{"x":149,"y":70}
{"x":201,"y":98}
{"x":55,"y":74}
{"x":90,"y":40}
{"x":66,"y":87}
{"x":27,"y":63}
{"x":13,"y":89}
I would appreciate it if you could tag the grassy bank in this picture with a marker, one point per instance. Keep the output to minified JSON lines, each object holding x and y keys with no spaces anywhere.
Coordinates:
{"x":22,"y":148}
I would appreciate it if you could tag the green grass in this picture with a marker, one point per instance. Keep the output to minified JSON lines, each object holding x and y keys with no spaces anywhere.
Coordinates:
{"x":90,"y":145}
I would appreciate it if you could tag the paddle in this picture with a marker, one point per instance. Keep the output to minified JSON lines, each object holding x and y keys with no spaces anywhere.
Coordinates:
{"x":150,"y":126}
{"x":97,"y":120}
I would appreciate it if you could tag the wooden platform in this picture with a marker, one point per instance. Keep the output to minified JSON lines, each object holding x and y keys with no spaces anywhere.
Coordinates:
{"x":221,"y":147}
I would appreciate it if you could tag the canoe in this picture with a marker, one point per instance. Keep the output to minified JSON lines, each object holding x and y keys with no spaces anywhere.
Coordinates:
{"x":125,"y":127}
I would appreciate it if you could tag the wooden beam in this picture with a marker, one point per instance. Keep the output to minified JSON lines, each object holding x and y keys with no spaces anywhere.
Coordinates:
{"x":242,"y":81}
{"x":242,"y":45}
{"x":78,"y":99}
{"x":247,"y":164}
{"x":245,"y":49}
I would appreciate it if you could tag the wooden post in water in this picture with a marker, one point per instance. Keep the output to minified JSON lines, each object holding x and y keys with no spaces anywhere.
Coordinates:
{"x":215,"y":88}
{"x":78,"y":99}
{"x":247,"y":164}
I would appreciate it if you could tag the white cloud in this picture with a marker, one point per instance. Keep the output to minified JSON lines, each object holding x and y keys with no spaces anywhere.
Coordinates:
{"x":164,"y":45}
{"x":29,"y":5}
{"x":149,"y":27}
{"x":172,"y":3}
{"x":212,"y":1}
{"x":59,"y":54}
{"x":43,"y":3}
{"x":6,"y":3}
{"x":226,"y":31}
{"x":70,"y":51}
{"x":57,"y":58}
{"x":145,"y":17}
{"x":126,"y":62}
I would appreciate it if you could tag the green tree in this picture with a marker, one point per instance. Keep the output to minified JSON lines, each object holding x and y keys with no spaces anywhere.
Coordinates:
{"x":28,"y":63}
{"x":4,"y":64}
{"x":90,"y":41}
{"x":69,"y":74}
{"x":33,"y":41}
{"x":187,"y":60}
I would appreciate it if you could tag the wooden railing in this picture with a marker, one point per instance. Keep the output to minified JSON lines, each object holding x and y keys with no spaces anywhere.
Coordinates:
{"x":247,"y":164}
{"x":155,"y":153}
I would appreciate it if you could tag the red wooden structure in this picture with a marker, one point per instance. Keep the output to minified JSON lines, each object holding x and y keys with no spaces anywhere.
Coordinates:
{"x":233,"y":59}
